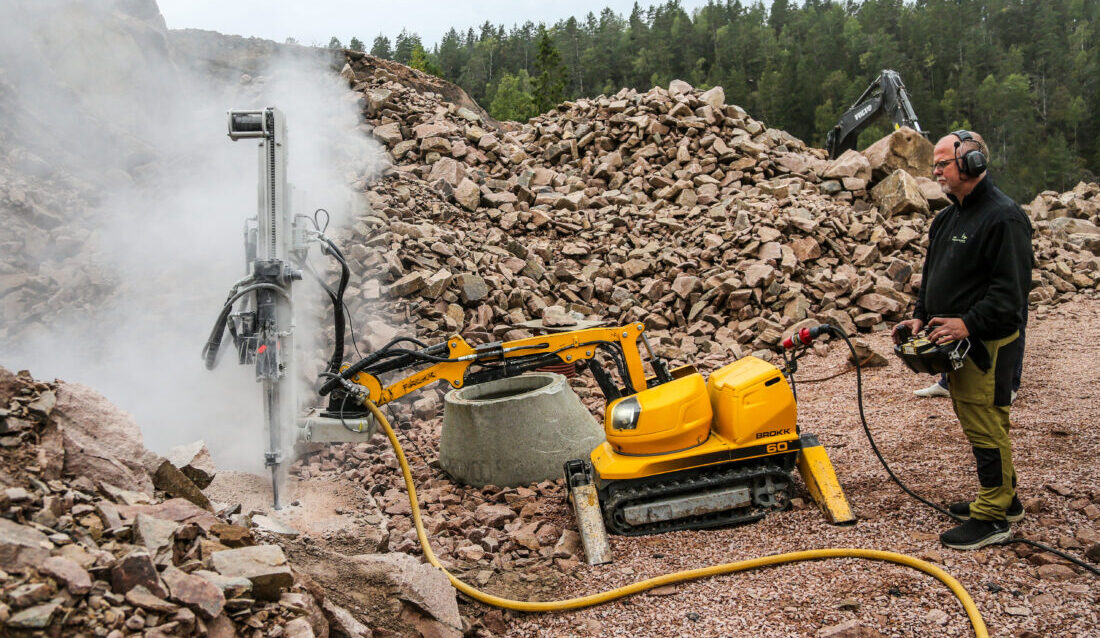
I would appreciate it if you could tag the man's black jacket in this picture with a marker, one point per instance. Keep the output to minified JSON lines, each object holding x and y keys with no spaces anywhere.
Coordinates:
{"x":978,"y":265}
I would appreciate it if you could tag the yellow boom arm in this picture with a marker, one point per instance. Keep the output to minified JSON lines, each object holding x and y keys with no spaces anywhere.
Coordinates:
{"x":569,"y":347}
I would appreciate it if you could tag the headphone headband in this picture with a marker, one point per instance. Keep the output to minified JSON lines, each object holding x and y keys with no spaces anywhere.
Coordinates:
{"x":971,"y":163}
{"x":963,"y":135}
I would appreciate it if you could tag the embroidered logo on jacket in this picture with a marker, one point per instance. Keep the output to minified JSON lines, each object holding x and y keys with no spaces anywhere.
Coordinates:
{"x":959,"y":238}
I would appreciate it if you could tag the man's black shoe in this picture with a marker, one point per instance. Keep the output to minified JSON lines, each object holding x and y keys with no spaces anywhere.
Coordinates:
{"x":1015,"y":510}
{"x":976,"y":533}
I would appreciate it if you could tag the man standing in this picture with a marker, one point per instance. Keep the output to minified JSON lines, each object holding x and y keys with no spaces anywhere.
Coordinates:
{"x":974,"y":285}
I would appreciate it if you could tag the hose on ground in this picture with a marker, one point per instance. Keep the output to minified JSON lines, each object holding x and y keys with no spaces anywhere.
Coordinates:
{"x":692,"y":574}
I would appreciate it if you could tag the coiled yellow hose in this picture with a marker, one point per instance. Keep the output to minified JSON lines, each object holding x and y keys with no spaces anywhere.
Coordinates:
{"x":691,"y":574}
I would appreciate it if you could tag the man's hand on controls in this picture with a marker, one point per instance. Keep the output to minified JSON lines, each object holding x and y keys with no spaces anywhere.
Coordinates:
{"x":947,"y":329}
{"x":912,"y":325}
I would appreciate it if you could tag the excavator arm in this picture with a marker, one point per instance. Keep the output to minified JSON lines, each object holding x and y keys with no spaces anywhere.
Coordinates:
{"x":461,"y":364}
{"x":886,"y":95}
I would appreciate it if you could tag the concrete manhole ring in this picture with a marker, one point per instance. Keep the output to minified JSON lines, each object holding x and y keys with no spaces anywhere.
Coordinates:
{"x":515,"y":431}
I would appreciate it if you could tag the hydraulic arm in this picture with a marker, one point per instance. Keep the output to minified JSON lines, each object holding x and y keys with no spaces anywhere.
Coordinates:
{"x":886,"y":95}
{"x":460,"y":364}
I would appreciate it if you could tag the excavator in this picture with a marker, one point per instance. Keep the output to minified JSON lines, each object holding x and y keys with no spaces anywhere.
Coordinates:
{"x":885,"y":95}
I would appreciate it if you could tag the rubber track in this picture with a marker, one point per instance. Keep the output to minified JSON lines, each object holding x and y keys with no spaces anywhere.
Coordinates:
{"x":622,"y":493}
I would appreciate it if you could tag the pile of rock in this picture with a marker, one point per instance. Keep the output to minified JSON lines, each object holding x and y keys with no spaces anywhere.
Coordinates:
{"x":91,"y":542}
{"x":668,"y":207}
{"x":1067,"y":241}
{"x":490,"y":528}
{"x":93,"y":539}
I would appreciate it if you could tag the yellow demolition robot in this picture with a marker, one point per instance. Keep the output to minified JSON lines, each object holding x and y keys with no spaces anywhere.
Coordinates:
{"x":681,"y":451}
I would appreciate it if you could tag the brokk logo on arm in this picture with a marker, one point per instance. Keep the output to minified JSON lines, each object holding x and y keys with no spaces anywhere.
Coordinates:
{"x":771,"y":433}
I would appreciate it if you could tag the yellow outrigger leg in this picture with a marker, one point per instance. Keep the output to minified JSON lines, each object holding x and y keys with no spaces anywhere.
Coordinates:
{"x":820,"y":479}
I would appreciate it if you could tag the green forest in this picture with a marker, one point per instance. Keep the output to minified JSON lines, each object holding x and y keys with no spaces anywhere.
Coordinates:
{"x":1024,"y":73}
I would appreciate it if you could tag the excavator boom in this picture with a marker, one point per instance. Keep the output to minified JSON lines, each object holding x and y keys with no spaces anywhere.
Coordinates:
{"x":886,"y":95}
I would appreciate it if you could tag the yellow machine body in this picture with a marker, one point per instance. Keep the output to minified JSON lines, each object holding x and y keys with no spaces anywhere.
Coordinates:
{"x":681,"y":451}
{"x":745,"y":410}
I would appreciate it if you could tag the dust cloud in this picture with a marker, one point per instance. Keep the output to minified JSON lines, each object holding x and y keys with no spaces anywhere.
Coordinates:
{"x":102,"y":97}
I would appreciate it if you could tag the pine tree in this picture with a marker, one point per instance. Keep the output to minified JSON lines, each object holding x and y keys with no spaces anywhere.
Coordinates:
{"x":355,"y":44}
{"x":550,"y":73}
{"x":513,"y":100}
{"x":451,"y":55}
{"x":404,"y":45}
{"x":799,"y":65}
{"x":381,"y":48}
{"x":334,"y":43}
{"x":422,"y":61}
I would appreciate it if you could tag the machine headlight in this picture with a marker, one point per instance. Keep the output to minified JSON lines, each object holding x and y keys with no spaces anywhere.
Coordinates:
{"x":624,"y":416}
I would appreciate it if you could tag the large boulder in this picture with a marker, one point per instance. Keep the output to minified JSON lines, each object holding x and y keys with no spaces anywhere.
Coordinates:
{"x":264,"y":565}
{"x":424,"y":586}
{"x":22,"y":546}
{"x":904,"y":149}
{"x":899,"y":194}
{"x":849,"y":164}
{"x":102,"y":442}
{"x":933,"y":192}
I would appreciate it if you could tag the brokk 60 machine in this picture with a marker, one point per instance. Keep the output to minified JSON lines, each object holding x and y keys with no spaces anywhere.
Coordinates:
{"x":681,"y":451}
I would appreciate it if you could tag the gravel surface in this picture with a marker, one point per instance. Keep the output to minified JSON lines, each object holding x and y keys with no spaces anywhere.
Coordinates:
{"x":351,"y":499}
{"x":1055,"y":446}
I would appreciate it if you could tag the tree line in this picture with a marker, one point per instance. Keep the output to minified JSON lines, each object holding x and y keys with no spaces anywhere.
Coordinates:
{"x":1024,"y":73}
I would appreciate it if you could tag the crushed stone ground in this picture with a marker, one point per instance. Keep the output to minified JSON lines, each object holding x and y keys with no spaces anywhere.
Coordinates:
{"x":1055,"y":446}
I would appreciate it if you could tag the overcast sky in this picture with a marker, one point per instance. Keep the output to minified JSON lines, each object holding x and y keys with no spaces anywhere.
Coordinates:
{"x":315,"y":22}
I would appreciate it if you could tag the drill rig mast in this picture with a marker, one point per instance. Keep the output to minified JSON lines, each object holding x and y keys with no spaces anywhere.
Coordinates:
{"x":263,"y":327}
{"x":259,"y":313}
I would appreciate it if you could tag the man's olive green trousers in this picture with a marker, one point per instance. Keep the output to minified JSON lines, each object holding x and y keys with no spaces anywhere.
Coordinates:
{"x":982,"y":401}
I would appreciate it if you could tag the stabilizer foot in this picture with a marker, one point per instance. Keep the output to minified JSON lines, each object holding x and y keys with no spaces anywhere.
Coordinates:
{"x":820,"y":479}
{"x":586,"y":506}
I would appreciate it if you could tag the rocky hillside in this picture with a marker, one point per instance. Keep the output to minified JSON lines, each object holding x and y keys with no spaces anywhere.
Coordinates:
{"x":669,"y":207}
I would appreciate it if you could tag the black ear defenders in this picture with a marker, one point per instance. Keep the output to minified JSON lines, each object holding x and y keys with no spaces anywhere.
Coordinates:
{"x":973,"y":162}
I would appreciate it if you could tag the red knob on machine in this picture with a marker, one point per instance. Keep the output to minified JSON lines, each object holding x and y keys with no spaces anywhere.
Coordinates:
{"x":805,"y":336}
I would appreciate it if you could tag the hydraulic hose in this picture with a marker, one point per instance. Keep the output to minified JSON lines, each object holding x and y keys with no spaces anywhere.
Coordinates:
{"x":214,"y":341}
{"x":337,"y":306}
{"x":867,"y":430}
{"x":956,"y":588}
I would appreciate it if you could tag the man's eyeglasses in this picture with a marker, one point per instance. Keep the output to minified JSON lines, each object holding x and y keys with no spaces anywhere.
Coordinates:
{"x":939,"y":166}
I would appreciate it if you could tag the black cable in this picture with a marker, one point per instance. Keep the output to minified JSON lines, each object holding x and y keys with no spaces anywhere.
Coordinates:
{"x":1047,"y":548}
{"x":332,"y":295}
{"x":369,"y":360}
{"x":317,"y":225}
{"x":867,"y":430}
{"x":343,"y":404}
{"x":214,"y":341}
{"x":791,"y":367}
{"x":338,"y":314}
{"x":870,"y":439}
{"x":351,"y":329}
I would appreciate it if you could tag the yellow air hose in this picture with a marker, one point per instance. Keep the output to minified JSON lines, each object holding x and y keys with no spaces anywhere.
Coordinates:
{"x":691,"y":574}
